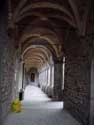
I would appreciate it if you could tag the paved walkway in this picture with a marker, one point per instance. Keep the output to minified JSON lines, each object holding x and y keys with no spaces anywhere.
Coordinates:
{"x":38,"y":109}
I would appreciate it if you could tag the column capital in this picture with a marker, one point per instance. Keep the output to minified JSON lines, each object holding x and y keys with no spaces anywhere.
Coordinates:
{"x":21,"y":60}
{"x":58,"y":60}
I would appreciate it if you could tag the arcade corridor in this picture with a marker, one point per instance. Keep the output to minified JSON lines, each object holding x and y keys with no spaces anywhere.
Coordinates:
{"x":48,"y":46}
{"x":38,"y":109}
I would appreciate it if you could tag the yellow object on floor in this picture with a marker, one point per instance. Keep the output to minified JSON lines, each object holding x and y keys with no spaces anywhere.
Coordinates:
{"x":16,"y":106}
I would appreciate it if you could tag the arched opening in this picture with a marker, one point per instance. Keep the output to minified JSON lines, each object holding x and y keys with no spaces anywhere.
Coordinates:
{"x":39,"y":65}
{"x":40,"y":32}
{"x":32,"y":77}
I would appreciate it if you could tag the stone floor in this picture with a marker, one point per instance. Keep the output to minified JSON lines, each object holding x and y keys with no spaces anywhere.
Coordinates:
{"x":38,"y":109}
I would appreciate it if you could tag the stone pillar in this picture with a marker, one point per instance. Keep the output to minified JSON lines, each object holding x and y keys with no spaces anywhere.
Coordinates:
{"x":50,"y":75}
{"x":20,"y":71}
{"x":92,"y":94}
{"x":23,"y":76}
{"x":57,"y":90}
{"x":47,"y":77}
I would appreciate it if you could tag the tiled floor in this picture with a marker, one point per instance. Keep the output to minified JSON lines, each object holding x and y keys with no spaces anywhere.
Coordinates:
{"x":38,"y":109}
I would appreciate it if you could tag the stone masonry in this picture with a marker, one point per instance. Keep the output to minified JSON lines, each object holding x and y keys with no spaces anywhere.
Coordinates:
{"x":6,"y":68}
{"x":77,"y":76}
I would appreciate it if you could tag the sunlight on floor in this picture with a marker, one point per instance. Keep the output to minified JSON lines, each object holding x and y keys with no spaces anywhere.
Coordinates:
{"x":38,"y":109}
{"x":33,"y":93}
{"x":35,"y":98}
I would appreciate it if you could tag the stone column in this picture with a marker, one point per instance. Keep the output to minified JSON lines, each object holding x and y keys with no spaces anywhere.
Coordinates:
{"x":50,"y":75}
{"x":25,"y":79}
{"x":20,"y":73}
{"x":92,"y":95}
{"x":57,"y":90}
{"x":23,"y":76}
{"x":47,"y":77}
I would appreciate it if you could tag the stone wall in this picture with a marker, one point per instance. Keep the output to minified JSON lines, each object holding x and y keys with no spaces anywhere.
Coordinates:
{"x":6,"y":68}
{"x":79,"y":82}
{"x":90,"y":33}
{"x":77,"y":76}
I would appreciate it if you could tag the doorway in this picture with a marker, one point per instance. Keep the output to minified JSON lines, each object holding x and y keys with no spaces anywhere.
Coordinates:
{"x":32,"y":77}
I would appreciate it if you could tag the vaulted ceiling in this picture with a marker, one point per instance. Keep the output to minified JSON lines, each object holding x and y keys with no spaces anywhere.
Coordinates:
{"x":40,"y":26}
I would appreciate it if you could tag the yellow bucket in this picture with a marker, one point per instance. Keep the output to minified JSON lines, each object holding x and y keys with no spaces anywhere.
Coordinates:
{"x":16,"y":106}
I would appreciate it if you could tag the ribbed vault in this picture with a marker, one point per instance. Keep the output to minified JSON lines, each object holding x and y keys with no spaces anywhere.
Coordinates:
{"x":44,"y":42}
{"x":36,"y":56}
{"x":41,"y":26}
